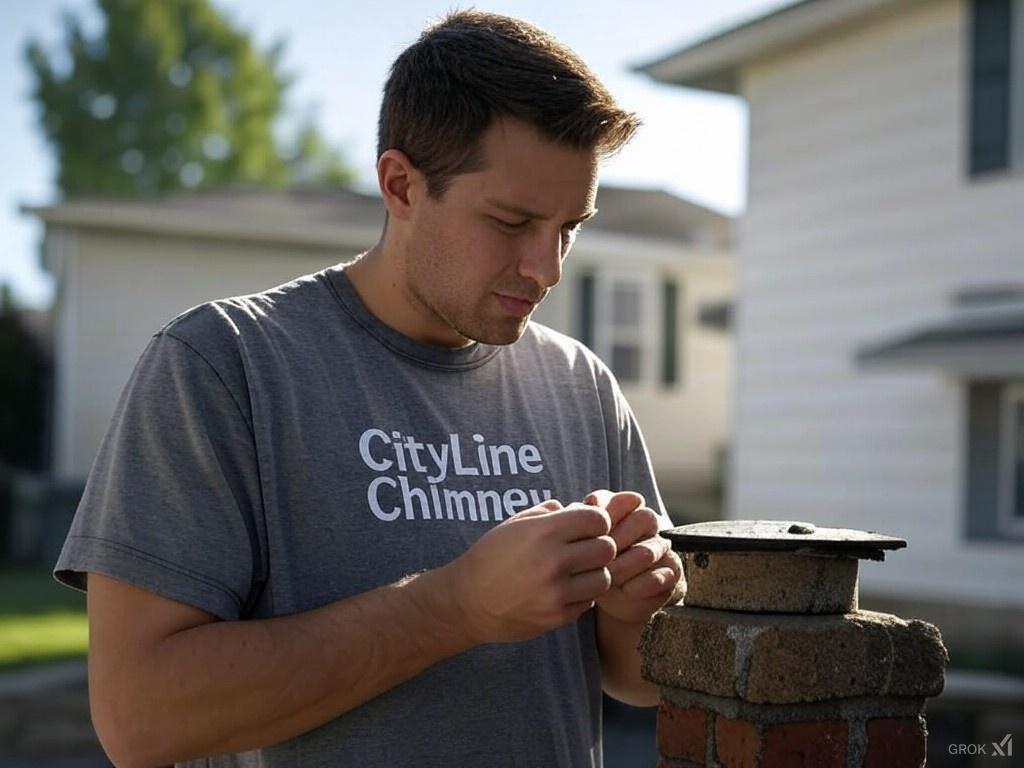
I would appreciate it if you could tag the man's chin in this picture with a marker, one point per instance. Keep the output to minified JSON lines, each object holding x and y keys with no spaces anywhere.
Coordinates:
{"x":500,"y":334}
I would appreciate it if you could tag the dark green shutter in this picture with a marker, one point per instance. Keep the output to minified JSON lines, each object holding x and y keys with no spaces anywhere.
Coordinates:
{"x":669,"y":333}
{"x":1016,"y":439}
{"x":585,"y":308}
{"x":991,"y":24}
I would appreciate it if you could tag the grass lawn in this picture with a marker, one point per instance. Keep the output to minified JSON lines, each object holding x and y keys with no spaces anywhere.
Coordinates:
{"x":40,"y":620}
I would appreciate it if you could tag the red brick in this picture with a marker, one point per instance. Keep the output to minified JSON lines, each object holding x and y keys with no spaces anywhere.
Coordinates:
{"x":821,"y":743}
{"x":682,"y":732}
{"x":737,"y":743}
{"x":896,"y":742}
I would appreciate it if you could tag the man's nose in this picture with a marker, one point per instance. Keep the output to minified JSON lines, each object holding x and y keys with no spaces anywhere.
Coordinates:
{"x":541,"y":260}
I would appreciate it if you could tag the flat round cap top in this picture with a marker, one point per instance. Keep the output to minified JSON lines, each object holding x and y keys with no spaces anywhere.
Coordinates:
{"x":780,"y":536}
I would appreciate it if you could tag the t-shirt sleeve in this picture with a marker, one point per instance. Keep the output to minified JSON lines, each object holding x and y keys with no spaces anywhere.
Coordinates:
{"x":631,"y":462}
{"x":172,"y":503}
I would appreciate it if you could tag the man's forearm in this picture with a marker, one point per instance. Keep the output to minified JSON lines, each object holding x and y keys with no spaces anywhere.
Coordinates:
{"x":618,"y":643}
{"x":239,"y":685}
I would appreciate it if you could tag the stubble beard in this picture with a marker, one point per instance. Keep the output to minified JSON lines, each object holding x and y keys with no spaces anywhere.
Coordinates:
{"x":468,"y":320}
{"x":497,"y":332}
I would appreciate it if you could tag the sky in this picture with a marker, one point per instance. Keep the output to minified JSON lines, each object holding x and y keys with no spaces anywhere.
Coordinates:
{"x":692,"y":143}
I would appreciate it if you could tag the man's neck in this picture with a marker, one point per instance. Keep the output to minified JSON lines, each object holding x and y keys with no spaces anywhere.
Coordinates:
{"x":378,"y":276}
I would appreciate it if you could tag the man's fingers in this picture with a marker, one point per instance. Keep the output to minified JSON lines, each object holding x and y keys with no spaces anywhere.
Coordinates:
{"x":638,"y":558}
{"x":581,"y":521}
{"x":551,"y":505}
{"x":598,"y":498}
{"x":588,"y":554}
{"x":658,"y":580}
{"x":650,"y":584}
{"x":586,"y":586}
{"x":619,"y":504}
{"x":640,"y":524}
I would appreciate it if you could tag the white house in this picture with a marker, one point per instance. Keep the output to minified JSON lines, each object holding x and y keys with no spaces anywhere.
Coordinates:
{"x":634,"y":288}
{"x":879,"y":327}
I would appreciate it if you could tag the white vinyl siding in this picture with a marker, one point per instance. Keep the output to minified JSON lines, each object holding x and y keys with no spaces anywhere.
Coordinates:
{"x":99,"y":340}
{"x":861,"y":224}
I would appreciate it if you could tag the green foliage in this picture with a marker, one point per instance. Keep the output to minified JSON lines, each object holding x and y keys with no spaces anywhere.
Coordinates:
{"x":35,"y":638}
{"x":169,"y":95}
{"x":40,"y":621}
{"x":26,"y":590}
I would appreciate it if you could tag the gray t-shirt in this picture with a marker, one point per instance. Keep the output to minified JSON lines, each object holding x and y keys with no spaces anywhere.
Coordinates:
{"x":276,"y":452}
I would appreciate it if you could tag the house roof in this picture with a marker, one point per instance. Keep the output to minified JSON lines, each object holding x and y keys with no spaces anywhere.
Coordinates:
{"x":655,"y":213}
{"x":314,"y":217}
{"x":712,"y":63}
{"x":986,"y":345}
{"x":329,"y":217}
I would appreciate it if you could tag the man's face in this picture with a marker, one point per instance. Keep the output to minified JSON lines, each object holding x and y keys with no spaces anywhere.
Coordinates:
{"x":483,"y":257}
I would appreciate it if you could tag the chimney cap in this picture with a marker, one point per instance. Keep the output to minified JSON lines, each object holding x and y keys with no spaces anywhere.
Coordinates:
{"x":793,"y":536}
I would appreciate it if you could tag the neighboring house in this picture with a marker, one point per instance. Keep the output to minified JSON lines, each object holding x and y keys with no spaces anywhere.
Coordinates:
{"x":633,"y":288}
{"x":879,"y":325}
{"x":640,"y":288}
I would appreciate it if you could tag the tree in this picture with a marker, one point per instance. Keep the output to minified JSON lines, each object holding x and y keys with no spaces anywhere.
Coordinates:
{"x":23,"y":388}
{"x":168,"y":96}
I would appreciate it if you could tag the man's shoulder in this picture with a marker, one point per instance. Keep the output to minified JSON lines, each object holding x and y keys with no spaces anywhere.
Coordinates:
{"x":549,"y":341}
{"x":553,"y":347}
{"x":234,"y":320}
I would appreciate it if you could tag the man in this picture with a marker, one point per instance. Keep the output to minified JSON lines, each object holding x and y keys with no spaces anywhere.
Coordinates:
{"x":352,"y":520}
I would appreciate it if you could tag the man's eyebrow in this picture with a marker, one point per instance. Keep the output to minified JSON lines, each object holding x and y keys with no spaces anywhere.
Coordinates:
{"x":526,"y":213}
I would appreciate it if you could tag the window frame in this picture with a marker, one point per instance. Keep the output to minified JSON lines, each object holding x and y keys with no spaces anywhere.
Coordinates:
{"x":1013,"y":162}
{"x":1008,"y":522}
{"x":645,"y":334}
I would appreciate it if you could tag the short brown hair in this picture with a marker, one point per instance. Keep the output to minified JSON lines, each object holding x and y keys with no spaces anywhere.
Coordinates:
{"x":471,"y":67}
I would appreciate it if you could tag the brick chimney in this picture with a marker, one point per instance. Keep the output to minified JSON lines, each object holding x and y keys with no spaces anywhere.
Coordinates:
{"x":770,"y":663}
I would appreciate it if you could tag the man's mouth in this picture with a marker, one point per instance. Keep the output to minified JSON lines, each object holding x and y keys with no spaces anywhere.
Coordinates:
{"x":515,"y":305}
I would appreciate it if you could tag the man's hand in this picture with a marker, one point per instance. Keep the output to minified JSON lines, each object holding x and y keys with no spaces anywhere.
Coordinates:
{"x":645,"y":571}
{"x":534,"y":572}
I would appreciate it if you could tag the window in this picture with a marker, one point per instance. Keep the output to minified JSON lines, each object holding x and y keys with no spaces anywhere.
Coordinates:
{"x":997,"y":86}
{"x":631,"y":321}
{"x":994,"y":488}
{"x":624,"y":336}
{"x":1011,"y":467}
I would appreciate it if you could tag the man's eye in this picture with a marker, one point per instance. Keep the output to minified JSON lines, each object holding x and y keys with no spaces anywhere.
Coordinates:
{"x":511,"y":224}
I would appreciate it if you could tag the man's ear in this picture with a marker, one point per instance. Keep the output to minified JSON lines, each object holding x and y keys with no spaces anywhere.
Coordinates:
{"x":400,"y":183}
